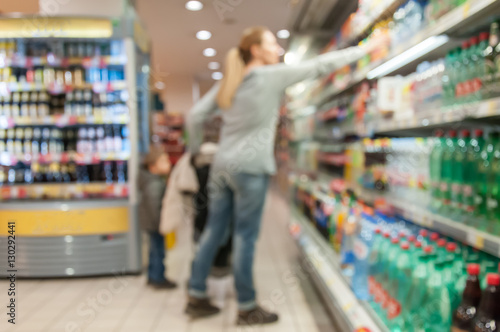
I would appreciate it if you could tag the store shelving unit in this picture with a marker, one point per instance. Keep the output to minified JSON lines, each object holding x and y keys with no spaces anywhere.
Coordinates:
{"x":334,"y":134}
{"x":76,"y":228}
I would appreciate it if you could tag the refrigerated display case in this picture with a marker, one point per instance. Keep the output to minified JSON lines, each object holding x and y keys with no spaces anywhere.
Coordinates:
{"x":73,"y":122}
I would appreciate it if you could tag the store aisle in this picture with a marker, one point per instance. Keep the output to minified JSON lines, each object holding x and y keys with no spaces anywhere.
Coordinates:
{"x":125,"y":304}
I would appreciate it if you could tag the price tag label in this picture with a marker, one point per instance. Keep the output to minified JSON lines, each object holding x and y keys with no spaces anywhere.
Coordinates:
{"x":492,"y":108}
{"x":346,"y":307}
{"x":466,"y":9}
{"x":475,"y":240}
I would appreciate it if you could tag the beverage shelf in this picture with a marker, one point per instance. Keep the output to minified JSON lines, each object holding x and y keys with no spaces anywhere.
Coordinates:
{"x":62,"y":120}
{"x":436,"y":117}
{"x":63,"y":191}
{"x":378,"y":14}
{"x":53,"y":61}
{"x":454,"y":20}
{"x":98,"y":87}
{"x":7,"y":159}
{"x":324,"y":265}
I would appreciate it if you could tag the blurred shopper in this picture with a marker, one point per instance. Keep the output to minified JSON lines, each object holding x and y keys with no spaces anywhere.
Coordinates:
{"x":249,"y":97}
{"x":152,"y":184}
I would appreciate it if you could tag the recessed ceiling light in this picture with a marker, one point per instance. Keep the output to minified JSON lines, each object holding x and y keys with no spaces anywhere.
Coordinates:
{"x":213,"y":65}
{"x":283,"y":34}
{"x":194,"y":6}
{"x":209,"y":52}
{"x":217,"y":75}
{"x":203,"y":35}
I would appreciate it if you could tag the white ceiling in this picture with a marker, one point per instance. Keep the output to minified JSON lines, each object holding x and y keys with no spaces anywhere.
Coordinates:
{"x":172,"y":28}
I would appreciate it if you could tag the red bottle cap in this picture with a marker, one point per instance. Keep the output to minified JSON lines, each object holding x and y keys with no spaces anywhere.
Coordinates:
{"x":451,"y":247}
{"x":418,"y":244}
{"x":478,"y":133}
{"x":465,"y":133}
{"x":411,"y":238}
{"x":452,"y":133}
{"x":434,"y":237}
{"x":465,"y":45}
{"x":377,"y":231}
{"x":402,"y":234}
{"x":423,"y":232}
{"x":439,"y":133}
{"x":387,"y":235}
{"x":441,"y":243}
{"x":493,"y":279}
{"x":395,"y":240}
{"x":484,"y":36}
{"x":473,"y":269}
{"x":428,"y":249}
{"x":405,"y":246}
{"x":474,"y":40}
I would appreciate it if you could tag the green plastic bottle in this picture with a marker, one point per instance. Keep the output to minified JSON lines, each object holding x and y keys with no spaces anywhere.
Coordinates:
{"x":489,"y":55}
{"x":436,"y":310}
{"x":494,"y":194}
{"x":412,"y":311}
{"x":400,"y":286}
{"x":458,"y":173}
{"x":435,"y":170}
{"x":441,"y":252}
{"x":462,"y":89}
{"x":483,"y":185}
{"x":391,"y":259}
{"x":469,"y":192}
{"x":447,"y":171}
{"x":479,"y":67}
{"x":448,"y":79}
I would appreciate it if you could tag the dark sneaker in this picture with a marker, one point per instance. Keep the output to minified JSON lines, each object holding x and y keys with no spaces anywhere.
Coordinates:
{"x":256,"y":316}
{"x":167,"y":284}
{"x":198,"y":308}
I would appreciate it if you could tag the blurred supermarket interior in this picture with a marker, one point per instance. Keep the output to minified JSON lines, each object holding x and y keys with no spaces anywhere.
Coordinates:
{"x":384,"y":212}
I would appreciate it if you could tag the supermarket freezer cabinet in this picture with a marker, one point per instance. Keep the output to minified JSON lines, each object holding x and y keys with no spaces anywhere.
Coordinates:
{"x":70,"y":114}
{"x":79,"y":238}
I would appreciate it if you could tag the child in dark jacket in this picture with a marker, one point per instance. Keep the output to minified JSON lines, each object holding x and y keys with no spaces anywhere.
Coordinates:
{"x":152,"y":185}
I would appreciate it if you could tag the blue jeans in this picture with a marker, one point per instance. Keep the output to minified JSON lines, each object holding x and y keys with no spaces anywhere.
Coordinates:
{"x":240,"y":196}
{"x":156,"y":268}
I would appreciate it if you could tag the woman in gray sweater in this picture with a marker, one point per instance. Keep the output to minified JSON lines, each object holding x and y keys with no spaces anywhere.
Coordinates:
{"x":249,"y":97}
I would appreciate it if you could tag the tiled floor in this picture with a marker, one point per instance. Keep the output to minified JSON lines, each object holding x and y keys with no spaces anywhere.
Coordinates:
{"x":125,"y":304}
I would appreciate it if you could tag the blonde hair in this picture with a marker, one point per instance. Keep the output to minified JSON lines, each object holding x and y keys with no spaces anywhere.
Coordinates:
{"x":234,"y":68}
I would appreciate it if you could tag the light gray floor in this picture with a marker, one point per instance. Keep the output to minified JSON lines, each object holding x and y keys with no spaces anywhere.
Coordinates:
{"x":125,"y":304}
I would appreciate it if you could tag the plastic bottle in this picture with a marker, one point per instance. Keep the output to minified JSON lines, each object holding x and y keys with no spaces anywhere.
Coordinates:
{"x":400,"y":284}
{"x":412,"y":312}
{"x":423,"y":236}
{"x":472,"y":157}
{"x":458,"y":172}
{"x":463,"y":85}
{"x":390,"y":259}
{"x":493,"y":204}
{"x":362,"y":246}
{"x":435,"y":170}
{"x":490,"y":67}
{"x":488,"y":315}
{"x":484,"y":187}
{"x":480,"y":70}
{"x":437,"y":306}
{"x":441,"y":249}
{"x":447,"y":171}
{"x":464,"y":315}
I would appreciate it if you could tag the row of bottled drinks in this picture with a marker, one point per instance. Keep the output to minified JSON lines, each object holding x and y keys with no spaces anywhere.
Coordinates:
{"x":52,"y":140}
{"x":415,"y":279}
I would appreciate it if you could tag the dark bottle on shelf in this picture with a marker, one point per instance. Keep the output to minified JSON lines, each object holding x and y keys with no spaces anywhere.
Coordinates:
{"x":35,"y":143}
{"x":107,"y":175}
{"x":120,"y":172}
{"x":72,"y":171}
{"x":109,"y":139}
{"x":3,"y":175}
{"x":464,"y":316}
{"x":65,"y":177}
{"x":91,"y":140}
{"x":117,"y":139}
{"x":488,"y":315}
{"x":3,"y":147}
{"x":68,"y":104}
{"x":19,"y":172}
{"x":94,"y":171}
{"x":36,"y":172}
{"x":54,"y":173}
{"x":44,"y":144}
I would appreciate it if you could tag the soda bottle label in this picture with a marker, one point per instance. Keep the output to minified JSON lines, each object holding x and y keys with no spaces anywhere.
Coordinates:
{"x":394,"y":309}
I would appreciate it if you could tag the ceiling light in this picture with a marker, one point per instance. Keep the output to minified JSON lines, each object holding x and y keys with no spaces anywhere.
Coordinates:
{"x":408,"y":56}
{"x":283,"y":34}
{"x":160,"y":85}
{"x":213,"y":65}
{"x":217,"y":75}
{"x":203,"y":35}
{"x":194,"y":6}
{"x":209,"y":52}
